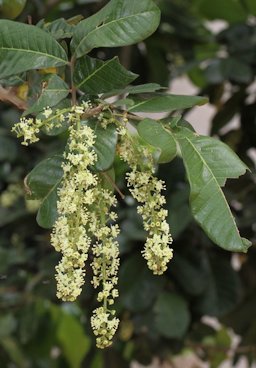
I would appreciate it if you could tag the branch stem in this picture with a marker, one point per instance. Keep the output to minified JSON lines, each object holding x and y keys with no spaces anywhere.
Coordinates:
{"x":113,"y":184}
{"x":8,"y":95}
{"x":73,"y":88}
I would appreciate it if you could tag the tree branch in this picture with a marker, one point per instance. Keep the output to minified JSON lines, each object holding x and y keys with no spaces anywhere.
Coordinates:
{"x":8,"y":95}
{"x":109,"y":179}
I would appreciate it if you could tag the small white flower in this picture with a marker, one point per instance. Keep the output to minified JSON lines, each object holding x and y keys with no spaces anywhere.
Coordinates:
{"x":47,"y":112}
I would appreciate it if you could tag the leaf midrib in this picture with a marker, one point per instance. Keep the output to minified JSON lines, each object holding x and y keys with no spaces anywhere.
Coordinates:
{"x":217,"y":184}
{"x":140,"y":103}
{"x":95,"y":72}
{"x":112,"y":21}
{"x":51,"y":190}
{"x":54,"y":90}
{"x":34,"y":52}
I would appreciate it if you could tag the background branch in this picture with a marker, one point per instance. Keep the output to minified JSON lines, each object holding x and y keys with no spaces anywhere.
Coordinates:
{"x":8,"y":95}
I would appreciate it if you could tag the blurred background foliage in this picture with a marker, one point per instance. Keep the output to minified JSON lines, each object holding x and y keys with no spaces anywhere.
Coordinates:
{"x":161,"y":317}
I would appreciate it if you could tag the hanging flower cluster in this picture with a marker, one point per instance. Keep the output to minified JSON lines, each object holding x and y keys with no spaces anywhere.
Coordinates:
{"x":76,"y":193}
{"x":86,"y":221}
{"x":146,"y":189}
{"x":85,"y":210}
{"x":105,"y":267}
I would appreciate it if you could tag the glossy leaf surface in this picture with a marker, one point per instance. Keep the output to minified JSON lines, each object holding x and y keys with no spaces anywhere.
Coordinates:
{"x":25,"y":47}
{"x":165,"y":103}
{"x":105,"y":145}
{"x":156,"y":135}
{"x":59,"y":29}
{"x":42,"y":182}
{"x":55,"y":118}
{"x":119,"y":23}
{"x":208,"y":164}
{"x":95,"y":76}
{"x":141,"y":88}
{"x":52,"y":93}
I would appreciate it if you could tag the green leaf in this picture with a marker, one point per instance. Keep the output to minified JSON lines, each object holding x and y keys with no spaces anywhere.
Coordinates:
{"x":230,"y":68}
{"x":179,"y":214}
{"x":42,"y":182}
{"x":47,"y":213}
{"x":218,"y":344}
{"x":55,"y":118}
{"x":29,"y":321}
{"x":74,"y":343}
{"x":9,"y":215}
{"x":166,"y":103}
{"x":8,"y":149}
{"x":44,"y":176}
{"x":24,"y":47}
{"x":98,"y":360}
{"x":190,"y":271}
{"x":16,"y":80}
{"x":105,"y":144}
{"x":95,"y":76}
{"x":229,"y":10}
{"x":177,"y":121}
{"x":123,"y":102}
{"x":227,"y":111}
{"x":59,"y":29}
{"x":119,"y":23}
{"x":14,"y":351}
{"x":107,"y":178}
{"x":8,"y":325}
{"x":251,"y":5}
{"x":156,"y":135}
{"x":240,"y":318}
{"x":11,"y":9}
{"x":138,"y":286}
{"x":54,"y":91}
{"x":208,"y":164}
{"x":222,"y":291}
{"x":141,"y":88}
{"x":172,"y":315}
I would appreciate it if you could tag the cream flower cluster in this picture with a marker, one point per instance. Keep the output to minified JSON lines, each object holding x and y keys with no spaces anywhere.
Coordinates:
{"x":69,"y":234}
{"x":146,"y":189}
{"x":85,"y":209}
{"x":29,"y":128}
{"x":86,"y":221}
{"x":105,"y":267}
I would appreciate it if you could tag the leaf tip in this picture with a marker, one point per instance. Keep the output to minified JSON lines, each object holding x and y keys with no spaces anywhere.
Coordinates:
{"x":203,"y":101}
{"x":247,"y":244}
